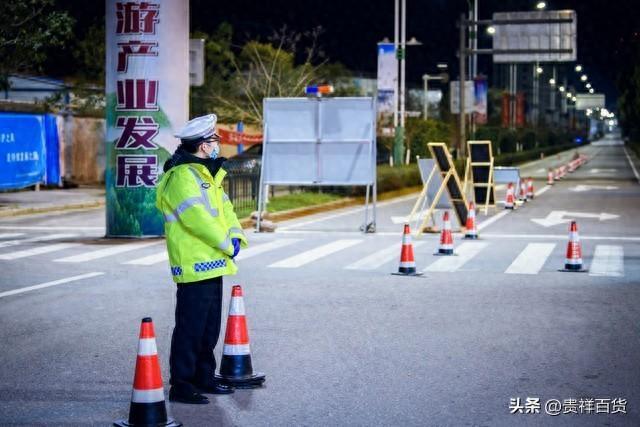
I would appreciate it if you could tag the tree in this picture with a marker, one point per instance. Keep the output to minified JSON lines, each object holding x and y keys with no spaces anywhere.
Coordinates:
{"x":29,"y":28}
{"x":629,"y":100}
{"x":236,"y":84}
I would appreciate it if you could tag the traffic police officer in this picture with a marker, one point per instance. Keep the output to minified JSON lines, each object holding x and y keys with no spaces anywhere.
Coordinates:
{"x":203,"y":237}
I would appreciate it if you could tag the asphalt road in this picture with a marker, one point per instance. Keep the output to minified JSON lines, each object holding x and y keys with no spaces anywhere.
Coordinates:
{"x":340,"y":339}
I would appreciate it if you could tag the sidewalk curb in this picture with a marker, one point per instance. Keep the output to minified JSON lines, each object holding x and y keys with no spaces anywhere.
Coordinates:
{"x":10,"y":212}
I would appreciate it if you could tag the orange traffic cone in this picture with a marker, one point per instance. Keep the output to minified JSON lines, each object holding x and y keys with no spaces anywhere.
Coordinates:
{"x":407,"y":261}
{"x":573,"y":260}
{"x":471,"y":232}
{"x":446,"y":238}
{"x":530,"y":193}
{"x":147,"y":399}
{"x":550,"y":177}
{"x":523,"y":191}
{"x":235,"y":368}
{"x":510,"y":199}
{"x":557,"y":174}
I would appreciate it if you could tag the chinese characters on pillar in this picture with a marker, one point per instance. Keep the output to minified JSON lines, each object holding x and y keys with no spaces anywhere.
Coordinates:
{"x":136,"y":96}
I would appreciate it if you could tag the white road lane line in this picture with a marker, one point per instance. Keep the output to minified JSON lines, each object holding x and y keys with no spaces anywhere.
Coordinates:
{"x":380,"y":258}
{"x":531,"y":259}
{"x":43,"y":238}
{"x":10,"y":235}
{"x":465,"y":252}
{"x":633,"y":167}
{"x":49,"y":284}
{"x":102,"y":253}
{"x":608,"y":260}
{"x":149,"y":260}
{"x":542,"y":190}
{"x":349,"y":212}
{"x":265,"y":247}
{"x":315,"y":254}
{"x":38,"y":251}
{"x":491,"y":220}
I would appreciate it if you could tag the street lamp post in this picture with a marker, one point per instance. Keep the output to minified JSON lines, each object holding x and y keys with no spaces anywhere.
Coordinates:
{"x":461,"y":97}
{"x":399,"y":30}
{"x":425,"y":79}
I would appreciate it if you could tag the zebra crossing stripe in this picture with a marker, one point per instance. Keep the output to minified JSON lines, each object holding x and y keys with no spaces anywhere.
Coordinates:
{"x":465,"y":252}
{"x":150,"y":260}
{"x":44,"y":238}
{"x":265,"y":247}
{"x":10,"y":235}
{"x":531,"y":259}
{"x":102,"y":253}
{"x":608,"y":260}
{"x":37,"y":251}
{"x":379,"y":258}
{"x":315,"y":254}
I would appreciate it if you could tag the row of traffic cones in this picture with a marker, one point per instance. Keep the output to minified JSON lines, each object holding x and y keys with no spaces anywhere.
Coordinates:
{"x":525,"y":194}
{"x":556,"y":174}
{"x":573,"y":260}
{"x":407,"y":259}
{"x":148,"y":407}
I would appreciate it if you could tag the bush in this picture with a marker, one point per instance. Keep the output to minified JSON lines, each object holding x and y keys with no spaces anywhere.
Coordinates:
{"x":419,"y":132}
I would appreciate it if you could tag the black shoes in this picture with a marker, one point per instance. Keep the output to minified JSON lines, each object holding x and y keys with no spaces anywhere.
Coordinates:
{"x":216,"y":388}
{"x":193,"y":398}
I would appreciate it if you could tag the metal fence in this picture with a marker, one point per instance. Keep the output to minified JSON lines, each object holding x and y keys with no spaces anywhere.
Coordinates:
{"x":242,"y":188}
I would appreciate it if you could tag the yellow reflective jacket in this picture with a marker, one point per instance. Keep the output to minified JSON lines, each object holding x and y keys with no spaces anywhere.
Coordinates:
{"x":199,"y":223}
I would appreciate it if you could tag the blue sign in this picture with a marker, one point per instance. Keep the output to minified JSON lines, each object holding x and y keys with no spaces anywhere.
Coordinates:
{"x":22,"y":150}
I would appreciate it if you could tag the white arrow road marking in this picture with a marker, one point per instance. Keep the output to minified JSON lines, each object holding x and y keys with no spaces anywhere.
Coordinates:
{"x":603,"y":170}
{"x":315,"y":254}
{"x":607,"y":261}
{"x":101,"y":253}
{"x":557,"y":217}
{"x":464,"y":252}
{"x":49,"y":284}
{"x":531,"y":259}
{"x":581,"y":188}
{"x":380,"y":258}
{"x":265,"y":247}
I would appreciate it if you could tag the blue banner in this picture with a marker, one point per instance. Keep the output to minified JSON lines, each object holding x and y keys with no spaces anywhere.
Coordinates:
{"x":53,"y":151}
{"x":22,"y":150}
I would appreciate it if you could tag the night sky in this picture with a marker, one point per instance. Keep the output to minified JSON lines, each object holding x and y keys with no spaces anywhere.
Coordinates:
{"x":352,"y":29}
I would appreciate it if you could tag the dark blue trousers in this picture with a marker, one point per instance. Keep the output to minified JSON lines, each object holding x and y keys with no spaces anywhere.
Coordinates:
{"x":198,"y":316}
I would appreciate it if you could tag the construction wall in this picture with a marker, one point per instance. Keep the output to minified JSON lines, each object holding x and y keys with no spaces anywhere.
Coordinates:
{"x":82,"y":149}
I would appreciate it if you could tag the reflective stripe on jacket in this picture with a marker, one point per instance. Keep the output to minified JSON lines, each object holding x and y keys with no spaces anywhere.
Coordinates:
{"x":199,"y":223}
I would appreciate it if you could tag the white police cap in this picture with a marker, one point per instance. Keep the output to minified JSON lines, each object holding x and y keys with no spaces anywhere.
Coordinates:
{"x":199,"y":128}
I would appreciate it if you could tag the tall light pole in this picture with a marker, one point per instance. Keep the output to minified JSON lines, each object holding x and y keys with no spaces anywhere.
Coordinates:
{"x":463,"y":77}
{"x":400,"y":29}
{"x":399,"y":32}
{"x":425,"y":79}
